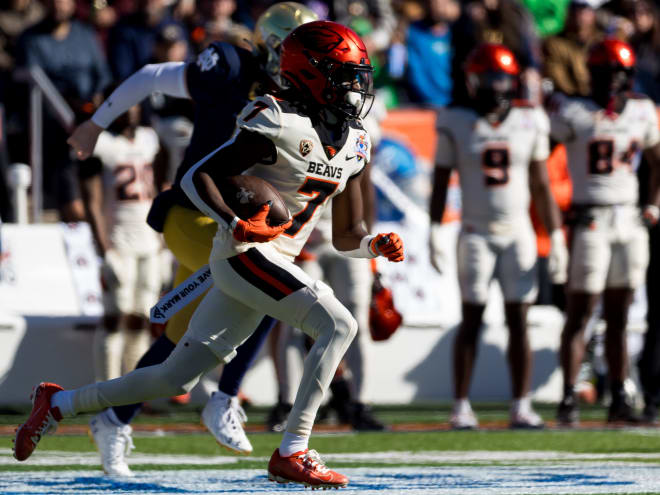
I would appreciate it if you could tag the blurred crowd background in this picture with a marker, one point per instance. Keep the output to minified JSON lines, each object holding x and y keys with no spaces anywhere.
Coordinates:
{"x":417,"y":47}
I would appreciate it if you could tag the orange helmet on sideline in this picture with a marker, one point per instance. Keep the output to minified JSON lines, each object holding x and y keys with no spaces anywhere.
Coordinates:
{"x":491,"y":75}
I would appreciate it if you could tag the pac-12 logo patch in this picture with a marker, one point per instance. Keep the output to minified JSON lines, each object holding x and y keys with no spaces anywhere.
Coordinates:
{"x":306,"y":147}
{"x":361,"y":146}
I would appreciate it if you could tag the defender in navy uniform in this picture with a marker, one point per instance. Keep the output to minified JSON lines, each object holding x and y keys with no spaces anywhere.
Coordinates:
{"x":220,"y":81}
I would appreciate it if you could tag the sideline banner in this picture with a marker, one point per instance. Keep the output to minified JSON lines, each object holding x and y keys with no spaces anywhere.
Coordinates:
{"x":49,"y":270}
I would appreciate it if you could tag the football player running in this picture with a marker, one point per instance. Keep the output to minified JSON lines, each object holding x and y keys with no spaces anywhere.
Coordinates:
{"x":221,"y":81}
{"x":308,"y":143}
{"x":604,"y":136}
{"x":499,"y":147}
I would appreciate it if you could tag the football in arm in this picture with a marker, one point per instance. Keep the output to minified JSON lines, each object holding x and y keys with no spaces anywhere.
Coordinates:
{"x":246,"y":193}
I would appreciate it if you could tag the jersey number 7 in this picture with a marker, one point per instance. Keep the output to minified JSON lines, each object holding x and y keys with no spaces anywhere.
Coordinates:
{"x":318,"y":190}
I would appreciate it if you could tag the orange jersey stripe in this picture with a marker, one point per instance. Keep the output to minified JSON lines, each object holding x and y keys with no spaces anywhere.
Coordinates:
{"x":263,"y":275}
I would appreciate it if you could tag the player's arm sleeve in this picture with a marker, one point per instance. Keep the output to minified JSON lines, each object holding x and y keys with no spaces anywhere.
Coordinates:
{"x":652,"y":136}
{"x":167,"y":78}
{"x":541,"y":149}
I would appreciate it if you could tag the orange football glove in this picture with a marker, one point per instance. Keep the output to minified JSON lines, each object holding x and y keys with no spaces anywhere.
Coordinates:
{"x":255,"y":228}
{"x":388,"y":245}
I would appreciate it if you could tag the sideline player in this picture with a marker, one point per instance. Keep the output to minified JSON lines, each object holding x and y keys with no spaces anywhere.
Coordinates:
{"x":499,"y":147}
{"x":609,"y":250}
{"x":117,"y":190}
{"x":309,"y":144}
{"x":221,"y":81}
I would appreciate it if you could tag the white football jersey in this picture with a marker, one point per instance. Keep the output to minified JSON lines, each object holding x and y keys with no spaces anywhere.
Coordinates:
{"x":603,"y":148}
{"x":129,"y":186}
{"x":492,"y":162}
{"x":308,"y":172}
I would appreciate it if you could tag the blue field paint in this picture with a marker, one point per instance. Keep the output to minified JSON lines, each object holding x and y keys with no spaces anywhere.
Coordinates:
{"x":574,"y":478}
{"x":582,"y":479}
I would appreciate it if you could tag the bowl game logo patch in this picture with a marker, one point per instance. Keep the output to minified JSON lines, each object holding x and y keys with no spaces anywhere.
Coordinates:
{"x":306,"y":147}
{"x":361,"y":146}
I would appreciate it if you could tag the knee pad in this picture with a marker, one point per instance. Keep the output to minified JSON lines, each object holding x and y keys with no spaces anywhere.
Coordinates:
{"x":222,"y":348}
{"x":327,"y":314}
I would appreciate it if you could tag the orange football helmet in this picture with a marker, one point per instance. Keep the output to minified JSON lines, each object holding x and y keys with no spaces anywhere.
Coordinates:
{"x":327,"y":63}
{"x":491,"y":75}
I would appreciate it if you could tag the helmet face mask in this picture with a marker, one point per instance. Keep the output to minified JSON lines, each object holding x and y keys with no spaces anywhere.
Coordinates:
{"x":352,"y":89}
{"x":327,"y":64}
{"x":492,"y":92}
{"x":611,"y":69}
{"x":612,"y":81}
{"x":272,"y":64}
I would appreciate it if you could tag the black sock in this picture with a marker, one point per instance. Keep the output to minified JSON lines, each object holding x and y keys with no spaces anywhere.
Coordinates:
{"x":569,"y":391}
{"x":617,"y":390}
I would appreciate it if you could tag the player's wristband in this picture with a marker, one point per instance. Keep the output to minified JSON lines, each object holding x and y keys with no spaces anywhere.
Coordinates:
{"x":557,"y":236}
{"x":364,"y":251}
{"x":234,"y":223}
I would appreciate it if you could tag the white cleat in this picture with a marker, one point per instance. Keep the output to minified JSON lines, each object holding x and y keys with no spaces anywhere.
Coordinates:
{"x":224,"y":418}
{"x":462,"y":417}
{"x":524,"y":417}
{"x":114,"y":443}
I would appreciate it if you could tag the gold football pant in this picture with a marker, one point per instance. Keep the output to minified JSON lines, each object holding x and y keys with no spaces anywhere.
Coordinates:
{"x":189,"y":235}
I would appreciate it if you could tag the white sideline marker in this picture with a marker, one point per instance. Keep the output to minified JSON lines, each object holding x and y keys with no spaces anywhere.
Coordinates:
{"x":179,"y":297}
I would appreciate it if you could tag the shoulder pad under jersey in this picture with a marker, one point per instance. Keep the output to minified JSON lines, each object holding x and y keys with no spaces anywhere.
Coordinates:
{"x":262,"y":115}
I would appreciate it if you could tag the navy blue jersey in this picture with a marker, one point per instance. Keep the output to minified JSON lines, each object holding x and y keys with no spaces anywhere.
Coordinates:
{"x":219,"y":82}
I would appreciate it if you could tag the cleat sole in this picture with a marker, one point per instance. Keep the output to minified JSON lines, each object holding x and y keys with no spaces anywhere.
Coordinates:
{"x":283,"y":481}
{"x":233,"y":451}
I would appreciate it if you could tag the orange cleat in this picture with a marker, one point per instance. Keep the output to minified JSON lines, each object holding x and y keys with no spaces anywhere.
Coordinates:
{"x":181,"y":400}
{"x":43,"y":419}
{"x":304,"y":467}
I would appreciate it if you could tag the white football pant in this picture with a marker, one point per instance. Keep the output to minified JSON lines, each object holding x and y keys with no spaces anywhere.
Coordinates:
{"x":257,"y":282}
{"x":510,"y":259}
{"x":611,"y":251}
